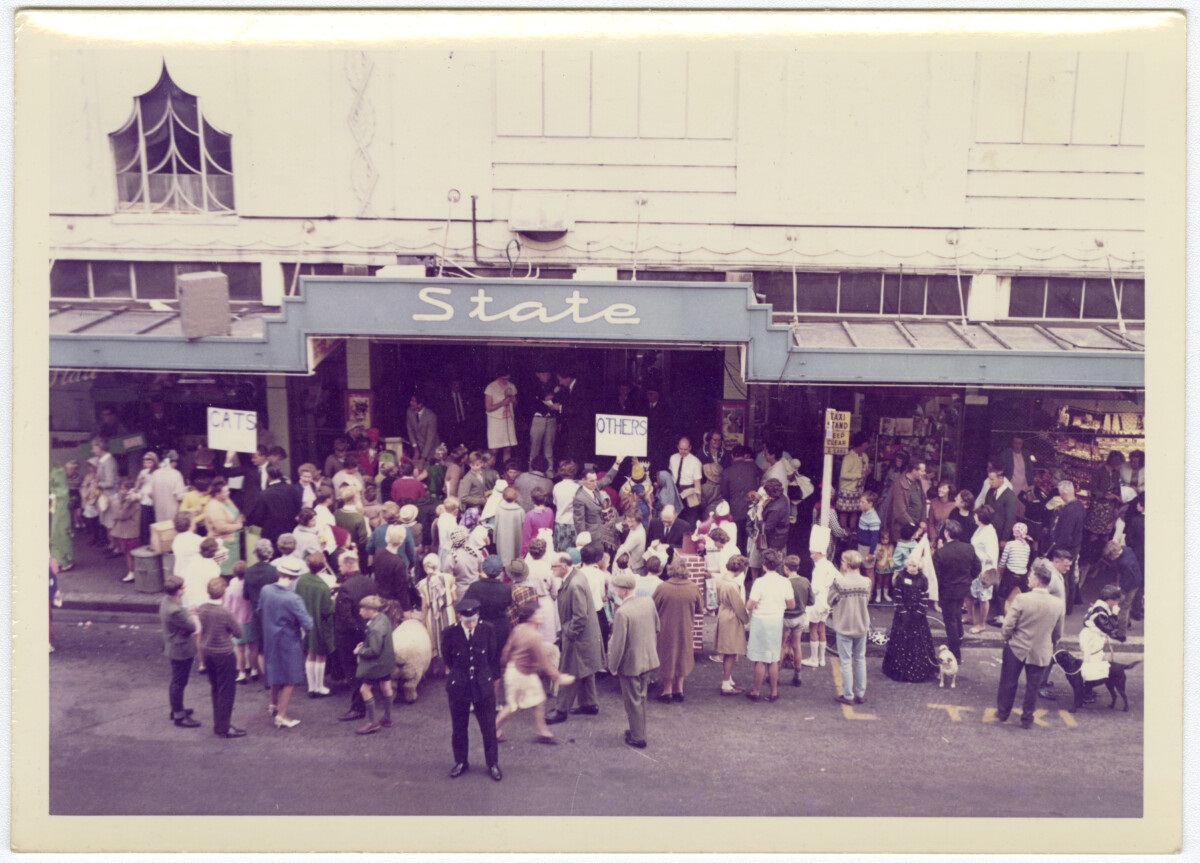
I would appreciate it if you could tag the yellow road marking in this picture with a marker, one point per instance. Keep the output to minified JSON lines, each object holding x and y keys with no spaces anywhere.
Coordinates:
{"x":1068,"y":719}
{"x":954,"y":710}
{"x":1037,"y":718}
{"x":989,"y":716}
{"x":848,"y":710}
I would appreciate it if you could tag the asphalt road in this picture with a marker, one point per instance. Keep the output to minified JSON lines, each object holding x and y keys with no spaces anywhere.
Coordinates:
{"x":913,"y":749}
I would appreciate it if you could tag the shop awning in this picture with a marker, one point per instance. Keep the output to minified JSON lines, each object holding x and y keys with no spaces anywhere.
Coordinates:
{"x":948,"y":352}
{"x":131,"y":336}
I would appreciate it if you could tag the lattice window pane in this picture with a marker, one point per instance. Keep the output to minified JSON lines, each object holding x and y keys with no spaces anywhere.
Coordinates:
{"x":816,"y":292}
{"x":1098,"y":300}
{"x":155,"y":280}
{"x":1027,"y":297}
{"x":1133,"y":298}
{"x":1064,"y":298}
{"x":110,"y":280}
{"x":941,"y":296}
{"x":860,"y":293}
{"x":69,"y":279}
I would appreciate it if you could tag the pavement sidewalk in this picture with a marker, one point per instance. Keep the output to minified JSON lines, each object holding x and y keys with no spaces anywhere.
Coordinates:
{"x":95,"y":585}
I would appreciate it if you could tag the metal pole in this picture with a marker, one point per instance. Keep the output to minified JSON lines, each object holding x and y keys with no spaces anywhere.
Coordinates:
{"x":827,"y":470}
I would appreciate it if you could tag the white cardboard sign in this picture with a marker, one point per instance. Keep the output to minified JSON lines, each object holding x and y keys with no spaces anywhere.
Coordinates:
{"x":232,"y":430}
{"x":618,"y":435}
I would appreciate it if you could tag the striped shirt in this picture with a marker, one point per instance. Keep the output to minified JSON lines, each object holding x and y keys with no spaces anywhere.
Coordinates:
{"x":1016,"y":557}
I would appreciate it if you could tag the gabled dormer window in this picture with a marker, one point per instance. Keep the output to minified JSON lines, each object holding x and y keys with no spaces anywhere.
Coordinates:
{"x":169,"y":159}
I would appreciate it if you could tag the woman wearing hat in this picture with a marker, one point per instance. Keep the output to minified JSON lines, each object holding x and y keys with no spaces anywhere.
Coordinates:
{"x":284,"y":624}
{"x":463,"y":563}
{"x":142,"y":485}
{"x":677,"y":601}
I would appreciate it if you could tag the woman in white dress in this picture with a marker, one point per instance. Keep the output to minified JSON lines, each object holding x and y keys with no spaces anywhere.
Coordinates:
{"x":499,"y":397}
{"x":987,"y":549}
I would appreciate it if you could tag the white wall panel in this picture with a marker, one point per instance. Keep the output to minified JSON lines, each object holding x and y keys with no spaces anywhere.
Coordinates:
{"x":1045,"y":184}
{"x":615,"y":94}
{"x":711,"y":94}
{"x":1046,"y":157}
{"x":1050,"y":98}
{"x":1099,"y":95}
{"x":567,"y":106}
{"x":1000,"y":96}
{"x":663,"y":94}
{"x":519,"y":93}
{"x":1133,"y":115}
{"x":604,"y":151}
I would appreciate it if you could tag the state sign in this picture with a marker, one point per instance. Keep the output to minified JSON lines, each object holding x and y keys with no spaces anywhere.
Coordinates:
{"x":232,"y":430}
{"x":618,"y":435}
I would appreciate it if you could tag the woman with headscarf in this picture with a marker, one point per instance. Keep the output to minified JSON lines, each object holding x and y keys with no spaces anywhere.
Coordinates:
{"x":284,"y":624}
{"x":462,"y":562}
{"x":437,"y":592}
{"x":1014,"y":566}
{"x":668,"y":494}
{"x":638,"y":490}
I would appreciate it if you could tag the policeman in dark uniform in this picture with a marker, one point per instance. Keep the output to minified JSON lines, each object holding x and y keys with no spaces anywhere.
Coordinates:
{"x":472,"y":660}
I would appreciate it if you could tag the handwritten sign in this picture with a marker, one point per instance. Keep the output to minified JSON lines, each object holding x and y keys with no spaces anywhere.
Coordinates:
{"x":232,"y":430}
{"x":837,"y":432}
{"x":621,"y":435}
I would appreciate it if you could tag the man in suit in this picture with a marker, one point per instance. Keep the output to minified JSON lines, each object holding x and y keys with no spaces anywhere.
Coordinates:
{"x":668,"y":530}
{"x":582,"y":650}
{"x":422,"y":429}
{"x":737,"y":481}
{"x":659,"y":432}
{"x":1015,"y":465}
{"x":907,"y":505}
{"x":576,"y":418}
{"x":472,"y":661}
{"x":1033,"y":624}
{"x":1001,"y":497}
{"x":957,"y":566}
{"x":456,"y":412}
{"x":633,"y":653}
{"x":586,"y":506}
{"x":1068,"y":534}
{"x":254,"y":478}
{"x":277,"y":506}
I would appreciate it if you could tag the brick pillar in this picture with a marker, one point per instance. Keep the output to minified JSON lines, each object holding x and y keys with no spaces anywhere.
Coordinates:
{"x":697,"y":573}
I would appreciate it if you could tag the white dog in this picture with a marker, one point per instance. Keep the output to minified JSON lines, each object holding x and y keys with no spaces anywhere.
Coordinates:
{"x":947,"y":667}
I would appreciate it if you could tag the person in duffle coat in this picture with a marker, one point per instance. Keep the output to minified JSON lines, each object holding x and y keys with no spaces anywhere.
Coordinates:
{"x":582,"y":648}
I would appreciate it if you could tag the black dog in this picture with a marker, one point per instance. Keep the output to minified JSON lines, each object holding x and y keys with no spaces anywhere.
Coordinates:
{"x":1115,"y":682}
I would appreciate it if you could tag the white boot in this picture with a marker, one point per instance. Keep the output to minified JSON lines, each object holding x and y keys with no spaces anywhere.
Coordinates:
{"x":308,"y":675}
{"x":813,"y":660}
{"x":821,"y":653}
{"x":319,"y":677}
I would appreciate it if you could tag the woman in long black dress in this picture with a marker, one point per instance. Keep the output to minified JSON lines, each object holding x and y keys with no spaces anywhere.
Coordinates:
{"x":910,"y":656}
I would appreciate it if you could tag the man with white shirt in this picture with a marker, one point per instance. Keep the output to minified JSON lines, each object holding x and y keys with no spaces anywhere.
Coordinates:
{"x":590,"y":557}
{"x":564,"y":505}
{"x":687,"y":471}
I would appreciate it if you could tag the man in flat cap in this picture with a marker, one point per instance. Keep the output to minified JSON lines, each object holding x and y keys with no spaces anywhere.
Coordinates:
{"x":472,"y":660}
{"x":633,"y":653}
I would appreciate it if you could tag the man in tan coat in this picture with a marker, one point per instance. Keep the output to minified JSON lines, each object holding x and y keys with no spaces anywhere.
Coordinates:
{"x":1033,"y":624}
{"x":633,"y":653}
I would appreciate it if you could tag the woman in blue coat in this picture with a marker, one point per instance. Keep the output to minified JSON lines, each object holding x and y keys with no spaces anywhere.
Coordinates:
{"x":284,"y":624}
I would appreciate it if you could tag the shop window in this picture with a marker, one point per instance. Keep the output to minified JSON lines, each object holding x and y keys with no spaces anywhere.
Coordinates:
{"x":145,"y":280}
{"x":672,"y":276}
{"x":816,"y":292}
{"x":1075,"y":299}
{"x":941,"y":295}
{"x":169,"y":158}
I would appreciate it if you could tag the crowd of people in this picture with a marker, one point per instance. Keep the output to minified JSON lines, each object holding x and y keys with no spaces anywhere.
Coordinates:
{"x":531,"y":582}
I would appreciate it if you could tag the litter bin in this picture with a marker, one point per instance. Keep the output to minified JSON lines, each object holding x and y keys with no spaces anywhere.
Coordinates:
{"x":147,"y":570}
{"x":168,"y":565}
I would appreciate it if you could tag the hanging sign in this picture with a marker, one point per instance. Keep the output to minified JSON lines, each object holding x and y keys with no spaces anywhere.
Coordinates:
{"x":837,"y":432}
{"x":232,"y":430}
{"x":618,"y":435}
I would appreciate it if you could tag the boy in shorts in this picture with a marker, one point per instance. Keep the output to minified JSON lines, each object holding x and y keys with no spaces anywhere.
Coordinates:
{"x":376,"y":662}
{"x":795,"y":620}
